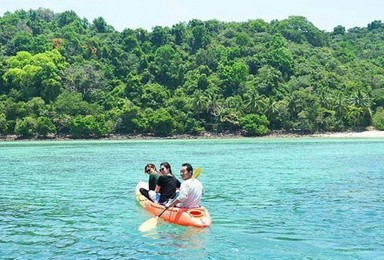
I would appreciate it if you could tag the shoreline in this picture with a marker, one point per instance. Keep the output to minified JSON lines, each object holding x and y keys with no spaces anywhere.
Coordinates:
{"x":364,"y":134}
{"x":277,"y":134}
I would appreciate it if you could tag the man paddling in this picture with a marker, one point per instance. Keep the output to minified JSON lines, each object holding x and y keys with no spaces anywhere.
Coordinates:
{"x":191,"y":190}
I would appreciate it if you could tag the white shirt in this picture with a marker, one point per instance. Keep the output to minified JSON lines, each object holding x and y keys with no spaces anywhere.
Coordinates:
{"x":191,"y":191}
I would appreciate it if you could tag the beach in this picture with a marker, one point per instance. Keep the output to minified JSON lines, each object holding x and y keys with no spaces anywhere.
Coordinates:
{"x":209,"y":135}
{"x":364,"y":134}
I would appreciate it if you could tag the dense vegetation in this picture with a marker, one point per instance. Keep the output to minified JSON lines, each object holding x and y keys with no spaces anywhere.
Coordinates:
{"x":60,"y":74}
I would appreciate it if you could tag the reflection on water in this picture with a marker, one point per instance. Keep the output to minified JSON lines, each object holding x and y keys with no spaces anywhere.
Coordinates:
{"x":173,"y":241}
{"x":177,"y":236}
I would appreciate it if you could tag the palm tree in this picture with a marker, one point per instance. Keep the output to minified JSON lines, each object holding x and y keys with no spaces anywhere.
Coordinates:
{"x":200,"y":102}
{"x":294,"y":103}
{"x":340,"y":104}
{"x":253,"y":101}
{"x":215,"y":106}
{"x":323,"y":94}
{"x":271,"y":107}
{"x":362,"y":100}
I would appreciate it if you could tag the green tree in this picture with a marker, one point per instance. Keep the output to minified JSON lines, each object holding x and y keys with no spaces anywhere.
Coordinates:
{"x":200,"y":103}
{"x":199,"y":37}
{"x":71,"y":103}
{"x":258,"y":25}
{"x":253,"y":101}
{"x":161,"y":122}
{"x":154,"y":96}
{"x":160,"y":36}
{"x":327,"y":121}
{"x":233,"y":78}
{"x":179,"y":31}
{"x":298,"y":29}
{"x":3,"y":124}
{"x":378,"y":119}
{"x":130,"y":119}
{"x":89,"y":126}
{"x":254,"y":124}
{"x":279,"y":56}
{"x":205,"y":74}
{"x":101,"y":25}
{"x":45,"y":126}
{"x":167,"y":67}
{"x":36,"y":75}
{"x":26,"y":127}
{"x":85,"y":79}
{"x":36,"y":106}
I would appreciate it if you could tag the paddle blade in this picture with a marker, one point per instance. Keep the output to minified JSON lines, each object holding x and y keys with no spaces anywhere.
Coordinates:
{"x":197,"y":172}
{"x":149,"y":224}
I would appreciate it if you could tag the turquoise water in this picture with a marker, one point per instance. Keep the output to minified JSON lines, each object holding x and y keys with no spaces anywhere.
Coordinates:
{"x":269,"y":198}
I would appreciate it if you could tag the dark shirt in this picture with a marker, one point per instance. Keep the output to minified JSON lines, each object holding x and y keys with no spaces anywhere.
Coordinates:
{"x":168,"y":185}
{"x":153,"y":177}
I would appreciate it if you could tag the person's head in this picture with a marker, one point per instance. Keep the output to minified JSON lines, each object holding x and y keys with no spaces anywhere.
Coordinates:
{"x":149,"y":168}
{"x":165,"y":168}
{"x":186,"y":171}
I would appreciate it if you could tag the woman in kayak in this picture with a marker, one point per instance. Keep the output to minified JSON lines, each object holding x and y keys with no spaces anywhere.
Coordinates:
{"x":166,"y":186}
{"x":150,"y":168}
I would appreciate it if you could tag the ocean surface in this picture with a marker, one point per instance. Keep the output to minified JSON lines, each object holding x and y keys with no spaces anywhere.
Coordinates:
{"x":288,"y":198}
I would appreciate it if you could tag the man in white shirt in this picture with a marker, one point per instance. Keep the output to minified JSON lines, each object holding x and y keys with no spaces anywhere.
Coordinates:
{"x":191,"y":190}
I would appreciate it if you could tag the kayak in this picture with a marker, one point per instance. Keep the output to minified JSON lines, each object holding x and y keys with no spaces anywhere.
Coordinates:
{"x":194,"y":217}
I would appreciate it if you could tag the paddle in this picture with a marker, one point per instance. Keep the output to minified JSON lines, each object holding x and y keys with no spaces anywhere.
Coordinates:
{"x":196,"y":173}
{"x":152,"y":222}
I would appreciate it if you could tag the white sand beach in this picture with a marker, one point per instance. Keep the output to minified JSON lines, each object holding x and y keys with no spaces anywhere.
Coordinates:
{"x":364,"y":134}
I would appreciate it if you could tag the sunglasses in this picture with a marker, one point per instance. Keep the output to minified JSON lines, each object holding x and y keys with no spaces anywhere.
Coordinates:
{"x":147,"y":170}
{"x":162,"y":169}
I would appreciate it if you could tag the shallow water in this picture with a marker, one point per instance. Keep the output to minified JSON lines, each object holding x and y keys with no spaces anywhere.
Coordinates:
{"x":268,"y":198}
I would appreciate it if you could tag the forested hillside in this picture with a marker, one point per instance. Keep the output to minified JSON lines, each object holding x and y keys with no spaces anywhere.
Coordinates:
{"x":63,"y":75}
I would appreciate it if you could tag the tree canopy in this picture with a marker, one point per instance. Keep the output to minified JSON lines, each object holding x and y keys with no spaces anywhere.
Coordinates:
{"x":61,"y":74}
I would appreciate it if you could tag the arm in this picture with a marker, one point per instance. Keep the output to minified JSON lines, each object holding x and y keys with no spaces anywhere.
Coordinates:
{"x":184,"y":191}
{"x":158,"y":184}
{"x":173,"y":203}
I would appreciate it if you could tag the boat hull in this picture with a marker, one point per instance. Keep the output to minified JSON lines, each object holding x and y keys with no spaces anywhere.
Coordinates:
{"x":196,"y":217}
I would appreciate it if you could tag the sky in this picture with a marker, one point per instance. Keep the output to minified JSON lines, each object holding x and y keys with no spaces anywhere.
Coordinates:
{"x":133,"y":14}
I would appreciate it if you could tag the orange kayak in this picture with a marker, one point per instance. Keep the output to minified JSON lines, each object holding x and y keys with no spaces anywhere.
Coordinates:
{"x":196,"y":217}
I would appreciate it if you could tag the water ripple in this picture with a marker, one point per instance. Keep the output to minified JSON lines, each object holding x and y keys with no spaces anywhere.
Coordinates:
{"x":269,"y":199}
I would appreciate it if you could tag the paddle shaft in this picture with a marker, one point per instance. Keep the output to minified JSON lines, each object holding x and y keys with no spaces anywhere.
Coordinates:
{"x":162,"y":212}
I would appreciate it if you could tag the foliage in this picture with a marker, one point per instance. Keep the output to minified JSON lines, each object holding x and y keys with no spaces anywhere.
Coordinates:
{"x":161,"y":122}
{"x":60,"y":74}
{"x":85,"y":126}
{"x":378,"y":119}
{"x":26,"y":127}
{"x":3,"y":124}
{"x":254,"y":124}
{"x":45,"y":126}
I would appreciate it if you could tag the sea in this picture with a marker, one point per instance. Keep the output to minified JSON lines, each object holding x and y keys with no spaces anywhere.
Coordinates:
{"x":269,"y":198}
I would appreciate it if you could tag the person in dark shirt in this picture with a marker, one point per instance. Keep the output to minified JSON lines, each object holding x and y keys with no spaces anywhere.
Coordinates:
{"x":167,"y":184}
{"x":150,"y":168}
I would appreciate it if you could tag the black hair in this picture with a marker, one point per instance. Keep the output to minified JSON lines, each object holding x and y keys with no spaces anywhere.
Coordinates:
{"x":188,"y":166}
{"x":167,"y":165}
{"x":149,"y":165}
